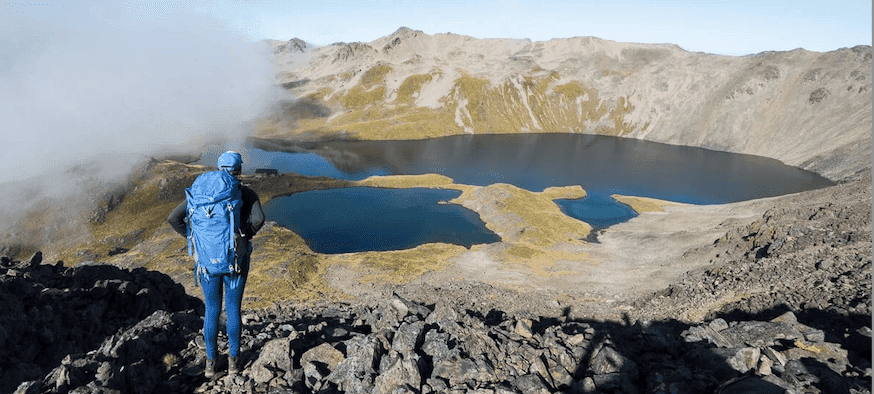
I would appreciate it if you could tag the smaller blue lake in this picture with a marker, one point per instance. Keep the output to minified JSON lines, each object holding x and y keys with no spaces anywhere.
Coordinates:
{"x":361,"y":219}
{"x":598,"y":210}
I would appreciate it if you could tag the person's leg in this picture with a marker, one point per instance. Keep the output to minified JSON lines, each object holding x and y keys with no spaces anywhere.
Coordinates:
{"x":235,"y":285}
{"x":212,"y":298}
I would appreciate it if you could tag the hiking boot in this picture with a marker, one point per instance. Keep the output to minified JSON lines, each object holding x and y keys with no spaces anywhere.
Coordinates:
{"x":232,"y":366}
{"x":209,"y":371}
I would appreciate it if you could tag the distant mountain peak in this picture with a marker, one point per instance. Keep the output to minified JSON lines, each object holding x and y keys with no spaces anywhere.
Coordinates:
{"x":294,"y":45}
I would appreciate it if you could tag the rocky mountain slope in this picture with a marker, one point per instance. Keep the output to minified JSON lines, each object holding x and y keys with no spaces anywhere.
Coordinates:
{"x":140,"y":335}
{"x":807,"y":109}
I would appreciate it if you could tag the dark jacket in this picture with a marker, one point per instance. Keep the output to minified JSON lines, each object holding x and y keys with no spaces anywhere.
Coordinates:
{"x":251,"y":214}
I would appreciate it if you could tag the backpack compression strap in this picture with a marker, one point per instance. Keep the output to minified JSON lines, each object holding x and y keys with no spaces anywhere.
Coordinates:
{"x":188,"y":226}
{"x":235,"y":268}
{"x":197,"y":267}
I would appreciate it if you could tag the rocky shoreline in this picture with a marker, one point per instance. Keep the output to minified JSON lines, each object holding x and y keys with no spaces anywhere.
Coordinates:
{"x":101,"y":329}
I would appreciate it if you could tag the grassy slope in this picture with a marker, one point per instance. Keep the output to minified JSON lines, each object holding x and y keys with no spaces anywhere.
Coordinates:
{"x":283,"y":267}
{"x":536,"y":101}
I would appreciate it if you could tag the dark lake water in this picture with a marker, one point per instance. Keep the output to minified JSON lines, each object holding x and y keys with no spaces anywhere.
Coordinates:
{"x":374,"y":219}
{"x":602,"y":165}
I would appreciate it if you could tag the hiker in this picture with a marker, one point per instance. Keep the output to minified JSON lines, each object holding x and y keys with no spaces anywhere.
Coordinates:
{"x":231,"y":274}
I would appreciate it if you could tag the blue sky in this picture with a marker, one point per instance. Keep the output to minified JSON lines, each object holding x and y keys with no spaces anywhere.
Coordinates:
{"x":731,"y":27}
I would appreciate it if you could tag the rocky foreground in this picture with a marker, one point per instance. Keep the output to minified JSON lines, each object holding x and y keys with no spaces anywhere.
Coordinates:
{"x":102,"y":329}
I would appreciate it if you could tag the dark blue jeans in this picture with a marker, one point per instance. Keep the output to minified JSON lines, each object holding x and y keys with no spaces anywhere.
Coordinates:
{"x":233,"y":287}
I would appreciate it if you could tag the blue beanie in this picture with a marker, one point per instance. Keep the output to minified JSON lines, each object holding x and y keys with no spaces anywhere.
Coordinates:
{"x":230,"y":161}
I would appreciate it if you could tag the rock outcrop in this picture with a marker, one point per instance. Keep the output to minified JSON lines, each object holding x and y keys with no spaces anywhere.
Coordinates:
{"x":146,"y":339}
{"x":52,"y":313}
{"x":294,"y":45}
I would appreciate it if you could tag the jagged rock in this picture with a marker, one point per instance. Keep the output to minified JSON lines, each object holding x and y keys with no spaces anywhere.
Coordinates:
{"x":523,"y":328}
{"x":420,"y":311}
{"x":560,"y":355}
{"x":325,"y":354}
{"x":442,"y":313}
{"x":31,"y":387}
{"x":775,"y":356}
{"x":400,"y":307}
{"x":611,"y":370}
{"x":355,"y":373}
{"x":383,"y":318}
{"x":104,"y":372}
{"x":538,"y":367}
{"x":313,"y":376}
{"x":36,"y":260}
{"x":764,"y":367}
{"x":293,"y":377}
{"x":576,"y":340}
{"x":260,"y":373}
{"x":606,"y":360}
{"x":436,"y":385}
{"x":476,"y":342}
{"x":561,"y":377}
{"x":276,"y":354}
{"x":718,"y":324}
{"x":294,"y":45}
{"x":531,"y":383}
{"x":456,"y":370}
{"x":752,"y":333}
{"x":355,"y":50}
{"x":402,"y":373}
{"x":365,"y":351}
{"x":504,"y":388}
{"x":830,"y":353}
{"x":408,"y":337}
{"x":140,"y":377}
{"x":744,"y":359}
{"x":758,"y":334}
{"x":351,"y":377}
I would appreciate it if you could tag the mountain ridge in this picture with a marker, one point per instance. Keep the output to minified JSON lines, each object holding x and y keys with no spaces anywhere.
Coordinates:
{"x":806,"y":109}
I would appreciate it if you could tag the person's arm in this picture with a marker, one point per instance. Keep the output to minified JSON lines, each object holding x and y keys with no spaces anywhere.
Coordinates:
{"x":256,"y":218}
{"x":255,"y":212}
{"x":177,"y":219}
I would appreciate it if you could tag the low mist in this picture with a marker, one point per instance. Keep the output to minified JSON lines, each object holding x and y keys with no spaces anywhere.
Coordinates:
{"x":90,"y":92}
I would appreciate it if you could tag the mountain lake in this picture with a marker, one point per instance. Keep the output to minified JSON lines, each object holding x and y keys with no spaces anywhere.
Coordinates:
{"x":363,"y":219}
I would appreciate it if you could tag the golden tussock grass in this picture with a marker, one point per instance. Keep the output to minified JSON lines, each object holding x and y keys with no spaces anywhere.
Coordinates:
{"x":644,"y":204}
{"x":530,"y":102}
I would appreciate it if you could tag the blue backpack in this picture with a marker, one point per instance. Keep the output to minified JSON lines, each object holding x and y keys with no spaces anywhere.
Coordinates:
{"x":214,"y":201}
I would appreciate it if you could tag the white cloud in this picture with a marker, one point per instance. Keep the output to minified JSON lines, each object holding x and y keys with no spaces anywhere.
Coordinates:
{"x":101,"y":89}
